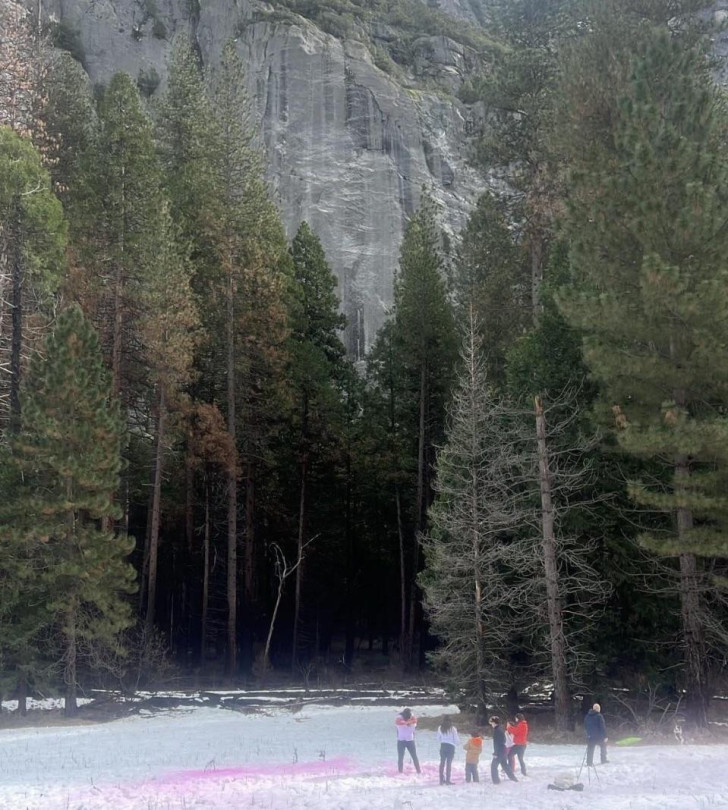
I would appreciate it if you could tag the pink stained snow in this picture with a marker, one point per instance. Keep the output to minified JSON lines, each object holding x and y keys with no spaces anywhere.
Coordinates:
{"x":320,"y":758}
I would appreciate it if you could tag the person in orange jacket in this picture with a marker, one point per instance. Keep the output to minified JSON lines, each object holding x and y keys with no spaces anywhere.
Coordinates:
{"x":473,"y":748}
{"x":519,"y":731}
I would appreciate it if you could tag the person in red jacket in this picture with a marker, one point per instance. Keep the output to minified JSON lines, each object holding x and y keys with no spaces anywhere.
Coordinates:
{"x":519,"y":731}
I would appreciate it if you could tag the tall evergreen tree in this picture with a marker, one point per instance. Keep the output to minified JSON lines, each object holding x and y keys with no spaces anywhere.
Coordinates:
{"x":317,"y":375}
{"x":251,"y":296}
{"x":127,"y":237}
{"x":424,"y":335}
{"x":32,"y":242}
{"x":492,"y":276}
{"x":168,"y":331}
{"x":519,"y":94}
{"x":69,"y":456}
{"x":648,"y":244}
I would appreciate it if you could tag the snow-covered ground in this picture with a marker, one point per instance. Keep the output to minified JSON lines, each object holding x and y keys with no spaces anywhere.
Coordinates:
{"x":323,"y":758}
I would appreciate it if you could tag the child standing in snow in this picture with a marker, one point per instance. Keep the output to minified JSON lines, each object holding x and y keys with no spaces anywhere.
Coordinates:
{"x":406,"y":724}
{"x":447,"y":736}
{"x":519,"y":732}
{"x":473,"y":748}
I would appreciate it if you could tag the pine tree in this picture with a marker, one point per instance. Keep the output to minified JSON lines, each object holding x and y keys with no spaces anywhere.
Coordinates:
{"x":251,"y":295}
{"x":477,"y":566}
{"x":129,"y":230}
{"x":214,"y":176}
{"x":492,"y":276}
{"x":71,"y":123}
{"x":519,"y":93}
{"x":168,"y":331}
{"x":69,"y":456}
{"x":188,"y":144}
{"x":649,"y":243}
{"x":424,"y":337}
{"x":32,"y":242}
{"x":317,"y":373}
{"x":388,"y":425}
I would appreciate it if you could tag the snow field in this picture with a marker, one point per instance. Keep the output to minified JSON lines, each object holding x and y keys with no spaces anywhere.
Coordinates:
{"x":322,"y":758}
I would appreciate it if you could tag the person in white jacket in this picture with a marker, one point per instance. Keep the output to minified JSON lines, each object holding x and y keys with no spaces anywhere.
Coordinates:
{"x":447,"y":736}
{"x":406,"y":724}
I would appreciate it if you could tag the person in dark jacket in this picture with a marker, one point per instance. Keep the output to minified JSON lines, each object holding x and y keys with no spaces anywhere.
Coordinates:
{"x":596,"y":734}
{"x":499,"y":753}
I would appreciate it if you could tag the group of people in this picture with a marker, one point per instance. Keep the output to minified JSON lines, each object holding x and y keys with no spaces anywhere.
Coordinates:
{"x":509,"y":743}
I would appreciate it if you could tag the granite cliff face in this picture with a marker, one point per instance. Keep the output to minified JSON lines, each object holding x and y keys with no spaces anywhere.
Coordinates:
{"x":349,"y":146}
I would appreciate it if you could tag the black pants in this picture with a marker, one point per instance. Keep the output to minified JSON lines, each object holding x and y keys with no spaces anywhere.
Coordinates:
{"x":407,"y":745}
{"x":590,"y":746}
{"x":502,"y":761}
{"x":471,"y":772}
{"x":517,"y":751}
{"x":447,"y":752}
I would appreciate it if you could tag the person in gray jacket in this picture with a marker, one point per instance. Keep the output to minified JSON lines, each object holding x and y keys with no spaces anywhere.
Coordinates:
{"x":596,"y":734}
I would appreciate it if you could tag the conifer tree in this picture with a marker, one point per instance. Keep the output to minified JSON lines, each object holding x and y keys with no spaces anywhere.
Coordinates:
{"x":129,"y":231}
{"x":32,"y":242}
{"x":238,"y":256}
{"x":492,"y":276}
{"x":167,"y":329}
{"x":69,"y":456}
{"x":477,"y":566}
{"x":251,"y":294}
{"x":424,"y":336}
{"x":317,"y":374}
{"x":72,"y":126}
{"x":388,"y":422}
{"x":649,"y":242}
{"x":518,"y":92}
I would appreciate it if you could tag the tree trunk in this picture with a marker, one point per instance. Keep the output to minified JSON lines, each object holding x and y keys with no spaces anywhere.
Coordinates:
{"x":232,"y":516}
{"x":279,"y":595}
{"x":16,"y":345}
{"x":22,"y":692}
{"x":189,"y":504}
{"x":156,"y":507}
{"x":698,"y":693}
{"x":403,"y":643}
{"x":420,"y":512}
{"x":351,"y":611}
{"x":250,"y":556}
{"x":299,"y":568}
{"x":562,"y":701}
{"x":537,"y":245}
{"x":205,"y":575}
{"x":69,"y":674}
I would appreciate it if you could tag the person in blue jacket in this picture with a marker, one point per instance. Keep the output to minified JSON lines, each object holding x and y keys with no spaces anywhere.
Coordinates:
{"x":596,"y":734}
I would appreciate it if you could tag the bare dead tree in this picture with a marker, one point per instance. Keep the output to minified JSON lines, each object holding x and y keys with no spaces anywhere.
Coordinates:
{"x":283,"y":570}
{"x":568,"y":591}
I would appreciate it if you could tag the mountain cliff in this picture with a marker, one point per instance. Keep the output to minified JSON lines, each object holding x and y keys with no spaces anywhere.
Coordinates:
{"x":358,"y":112}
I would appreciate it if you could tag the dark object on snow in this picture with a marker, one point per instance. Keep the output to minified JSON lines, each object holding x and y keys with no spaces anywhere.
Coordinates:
{"x":578,"y":787}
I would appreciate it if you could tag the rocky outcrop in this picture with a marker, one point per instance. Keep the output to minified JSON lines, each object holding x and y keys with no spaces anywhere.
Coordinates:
{"x":349,"y":146}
